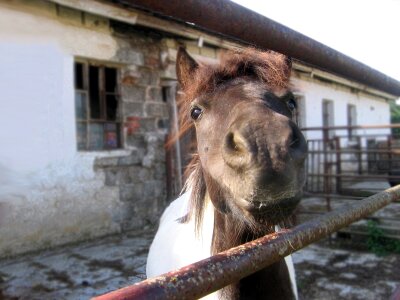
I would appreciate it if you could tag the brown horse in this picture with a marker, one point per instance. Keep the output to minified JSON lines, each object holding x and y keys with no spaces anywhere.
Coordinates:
{"x":248,"y":174}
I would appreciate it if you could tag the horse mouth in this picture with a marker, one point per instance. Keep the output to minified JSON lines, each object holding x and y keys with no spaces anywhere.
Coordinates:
{"x":273,"y":212}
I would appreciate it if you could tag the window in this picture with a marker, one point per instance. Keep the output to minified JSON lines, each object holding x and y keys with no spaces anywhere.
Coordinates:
{"x":97,"y":109}
{"x":351,"y":119}
{"x":328,"y":118}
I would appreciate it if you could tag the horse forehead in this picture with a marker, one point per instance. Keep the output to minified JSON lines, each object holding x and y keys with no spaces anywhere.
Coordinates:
{"x":238,"y":90}
{"x":253,"y":90}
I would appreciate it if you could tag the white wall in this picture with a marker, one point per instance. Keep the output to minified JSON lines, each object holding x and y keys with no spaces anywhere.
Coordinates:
{"x":49,"y":192}
{"x":371,"y":110}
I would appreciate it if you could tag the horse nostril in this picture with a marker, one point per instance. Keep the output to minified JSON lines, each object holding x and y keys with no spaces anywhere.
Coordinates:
{"x":235,"y":150}
{"x":235,"y":142}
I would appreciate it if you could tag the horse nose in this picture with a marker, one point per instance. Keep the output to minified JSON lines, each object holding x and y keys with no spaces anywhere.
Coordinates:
{"x":247,"y":147}
{"x":237,"y":151}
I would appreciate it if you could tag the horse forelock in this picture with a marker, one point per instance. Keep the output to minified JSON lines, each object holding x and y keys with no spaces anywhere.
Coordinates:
{"x":271,"y":68}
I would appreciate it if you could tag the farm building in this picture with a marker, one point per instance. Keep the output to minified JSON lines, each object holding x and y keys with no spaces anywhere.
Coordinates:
{"x":88,"y":100}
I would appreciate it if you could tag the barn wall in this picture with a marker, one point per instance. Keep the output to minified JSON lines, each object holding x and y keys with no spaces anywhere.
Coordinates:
{"x":371,"y":110}
{"x":50,"y":193}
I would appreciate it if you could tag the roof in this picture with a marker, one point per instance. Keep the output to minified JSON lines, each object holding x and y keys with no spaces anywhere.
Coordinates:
{"x":232,"y":21}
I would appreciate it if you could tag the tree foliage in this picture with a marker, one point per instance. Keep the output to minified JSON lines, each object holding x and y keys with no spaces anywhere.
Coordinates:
{"x":395,"y":117}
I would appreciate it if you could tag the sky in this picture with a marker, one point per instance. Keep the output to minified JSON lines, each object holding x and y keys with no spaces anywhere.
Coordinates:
{"x":366,"y":30}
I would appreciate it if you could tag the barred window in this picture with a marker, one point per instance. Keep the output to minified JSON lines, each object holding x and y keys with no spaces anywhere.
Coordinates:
{"x":97,"y":109}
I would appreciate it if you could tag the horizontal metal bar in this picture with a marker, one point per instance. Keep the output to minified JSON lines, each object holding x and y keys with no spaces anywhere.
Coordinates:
{"x":311,"y":194}
{"x":385,"y":135}
{"x":372,"y":218}
{"x":358,"y":176}
{"x":211,"y":274}
{"x":344,"y":127}
{"x":393,"y":150}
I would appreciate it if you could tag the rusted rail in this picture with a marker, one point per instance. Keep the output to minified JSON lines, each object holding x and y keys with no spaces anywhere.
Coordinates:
{"x":346,"y":127}
{"x":206,"y":276}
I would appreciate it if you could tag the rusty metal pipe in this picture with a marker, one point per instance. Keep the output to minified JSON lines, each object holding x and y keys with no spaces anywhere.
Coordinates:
{"x":231,"y":20}
{"x":345,"y":127}
{"x":211,"y":274}
{"x":354,"y":176}
{"x":351,"y":151}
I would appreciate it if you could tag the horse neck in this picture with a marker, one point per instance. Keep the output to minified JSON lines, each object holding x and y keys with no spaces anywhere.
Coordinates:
{"x":272,"y":282}
{"x":228,"y":230}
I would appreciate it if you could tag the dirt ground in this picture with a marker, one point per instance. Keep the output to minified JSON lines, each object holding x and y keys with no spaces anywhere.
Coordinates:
{"x":339,"y":271}
{"x":324,"y":271}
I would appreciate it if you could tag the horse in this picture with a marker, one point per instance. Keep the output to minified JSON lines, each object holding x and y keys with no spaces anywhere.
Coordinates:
{"x":247,"y":176}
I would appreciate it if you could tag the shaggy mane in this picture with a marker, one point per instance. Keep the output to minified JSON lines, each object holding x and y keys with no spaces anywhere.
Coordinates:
{"x":270,"y":67}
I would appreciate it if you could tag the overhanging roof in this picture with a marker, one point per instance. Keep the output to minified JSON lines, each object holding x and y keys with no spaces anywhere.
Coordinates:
{"x":226,"y":18}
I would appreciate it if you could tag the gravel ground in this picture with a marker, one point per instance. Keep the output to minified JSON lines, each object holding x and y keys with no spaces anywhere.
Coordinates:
{"x":84,"y":270}
{"x":329,"y":271}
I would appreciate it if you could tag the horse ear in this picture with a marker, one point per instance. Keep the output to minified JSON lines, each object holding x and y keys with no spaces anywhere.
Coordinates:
{"x":185,"y":67}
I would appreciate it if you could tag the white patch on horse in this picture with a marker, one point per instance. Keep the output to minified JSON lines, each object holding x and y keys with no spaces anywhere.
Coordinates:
{"x":176,"y":245}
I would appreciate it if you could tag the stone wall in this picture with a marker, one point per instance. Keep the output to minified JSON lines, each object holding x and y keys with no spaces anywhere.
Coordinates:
{"x":140,"y":176}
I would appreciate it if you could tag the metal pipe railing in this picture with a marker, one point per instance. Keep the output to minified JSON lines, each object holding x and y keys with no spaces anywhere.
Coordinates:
{"x":345,"y":127}
{"x":211,"y":274}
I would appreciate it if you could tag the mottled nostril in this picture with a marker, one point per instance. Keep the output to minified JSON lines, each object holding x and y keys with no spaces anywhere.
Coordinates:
{"x":236,"y":153}
{"x":229,"y":143}
{"x":235,"y":142}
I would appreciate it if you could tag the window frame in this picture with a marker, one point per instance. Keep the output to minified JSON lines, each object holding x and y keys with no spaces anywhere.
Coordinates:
{"x":103,"y":93}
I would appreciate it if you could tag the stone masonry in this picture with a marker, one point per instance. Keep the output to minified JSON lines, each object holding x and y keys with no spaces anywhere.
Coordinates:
{"x":140,"y":176}
{"x":149,"y":61}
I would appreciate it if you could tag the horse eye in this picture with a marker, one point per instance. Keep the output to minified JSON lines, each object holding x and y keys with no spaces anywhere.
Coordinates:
{"x":292,"y":105}
{"x":195,"y":113}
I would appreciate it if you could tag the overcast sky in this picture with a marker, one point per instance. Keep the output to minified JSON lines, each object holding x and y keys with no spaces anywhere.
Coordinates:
{"x":367,"y":30}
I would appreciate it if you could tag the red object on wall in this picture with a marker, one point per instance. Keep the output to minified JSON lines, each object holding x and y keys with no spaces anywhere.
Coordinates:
{"x":132,"y":124}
